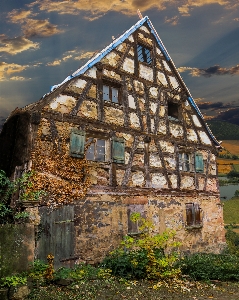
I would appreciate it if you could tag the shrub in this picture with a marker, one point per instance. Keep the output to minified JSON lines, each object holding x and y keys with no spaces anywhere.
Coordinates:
{"x":13,"y":280}
{"x":202,"y":266}
{"x":146,"y":255}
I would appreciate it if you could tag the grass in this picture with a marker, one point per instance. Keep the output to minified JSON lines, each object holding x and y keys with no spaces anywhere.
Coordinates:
{"x":231,"y":211}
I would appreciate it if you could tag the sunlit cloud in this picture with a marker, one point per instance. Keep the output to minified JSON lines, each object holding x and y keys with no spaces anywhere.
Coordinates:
{"x":16,"y":45}
{"x":173,"y":21}
{"x":214,"y":70}
{"x":39,"y":28}
{"x":54,"y":63}
{"x":19,"y":16}
{"x":66,"y":57}
{"x":84,"y":55}
{"x":19,"y":78}
{"x":7,"y":69}
{"x":96,"y":8}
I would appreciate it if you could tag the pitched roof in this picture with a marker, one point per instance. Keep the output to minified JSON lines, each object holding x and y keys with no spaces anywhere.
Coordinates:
{"x":96,"y":58}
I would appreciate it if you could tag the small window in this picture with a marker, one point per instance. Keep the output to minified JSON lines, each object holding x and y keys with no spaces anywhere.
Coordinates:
{"x":173,"y":111}
{"x":185,"y":162}
{"x":96,"y":150}
{"x":144,"y":54}
{"x":110,"y":94}
{"x":134,"y":227}
{"x":193,"y":215}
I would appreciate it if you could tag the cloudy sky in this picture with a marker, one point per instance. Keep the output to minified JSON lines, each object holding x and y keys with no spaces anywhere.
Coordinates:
{"x":44,"y":41}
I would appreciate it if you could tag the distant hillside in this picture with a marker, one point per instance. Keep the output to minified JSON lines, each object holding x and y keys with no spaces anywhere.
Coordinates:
{"x":224,"y":130}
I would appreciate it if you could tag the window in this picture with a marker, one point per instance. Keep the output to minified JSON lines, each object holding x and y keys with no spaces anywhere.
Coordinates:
{"x":144,"y":54}
{"x":110,"y":94}
{"x":193,"y":215}
{"x":173,"y":111}
{"x":185,"y":162}
{"x":134,"y":227}
{"x":96,"y":150}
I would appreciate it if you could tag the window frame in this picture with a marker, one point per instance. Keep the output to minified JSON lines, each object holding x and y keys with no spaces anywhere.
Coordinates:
{"x":144,"y":48}
{"x":93,"y":142}
{"x":186,"y":164}
{"x":194,"y":215}
{"x":171,"y":107}
{"x":111,"y":87}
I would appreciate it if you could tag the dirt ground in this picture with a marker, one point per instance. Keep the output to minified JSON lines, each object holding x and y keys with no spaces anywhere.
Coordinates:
{"x":142,"y":290}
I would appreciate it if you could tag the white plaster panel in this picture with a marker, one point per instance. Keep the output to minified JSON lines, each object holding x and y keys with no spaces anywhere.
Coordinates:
{"x":204,"y":138}
{"x":126,"y":157}
{"x":166,"y":146}
{"x":138,"y":178}
{"x":131,"y":102}
{"x":153,"y":92}
{"x":112,"y":58}
{"x":63,"y":103}
{"x":128,"y":65}
{"x":196,"y":121}
{"x":80,"y":83}
{"x":162,"y":111}
{"x":191,"y":135}
{"x":159,"y":181}
{"x":173,"y":81}
{"x":111,"y":74}
{"x":187,"y":182}
{"x":176,"y":130}
{"x":145,"y":39}
{"x":144,"y":29}
{"x":146,"y":72}
{"x":139,"y":86}
{"x":170,"y":162}
{"x":162,"y":78}
{"x":131,"y":38}
{"x":153,"y":107}
{"x":154,"y":160}
{"x":91,"y":72}
{"x":134,"y":120}
{"x":158,"y":51}
{"x":166,"y":66}
{"x":173,"y":179}
{"x":162,"y":127}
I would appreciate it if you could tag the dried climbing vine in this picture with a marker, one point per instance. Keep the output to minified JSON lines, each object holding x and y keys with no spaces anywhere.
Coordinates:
{"x":62,"y":177}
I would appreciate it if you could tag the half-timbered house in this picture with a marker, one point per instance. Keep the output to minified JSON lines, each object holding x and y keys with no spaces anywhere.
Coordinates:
{"x":147,"y":146}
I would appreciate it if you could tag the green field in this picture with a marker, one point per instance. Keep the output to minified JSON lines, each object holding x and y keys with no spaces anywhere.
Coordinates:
{"x":231,"y":211}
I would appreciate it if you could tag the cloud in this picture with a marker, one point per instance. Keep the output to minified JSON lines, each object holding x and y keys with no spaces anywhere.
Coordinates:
{"x":18,"y":16}
{"x":230,"y":115}
{"x":39,"y":28}
{"x":84,"y":55}
{"x":212,"y":105}
{"x":19,"y":78}
{"x":96,"y":8}
{"x":54,"y":63}
{"x":16,"y":45}
{"x":173,"y":21}
{"x":7,"y":69}
{"x":71,"y":54}
{"x":214,"y":70}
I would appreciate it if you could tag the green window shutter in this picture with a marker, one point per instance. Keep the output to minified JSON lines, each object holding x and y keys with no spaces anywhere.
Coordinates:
{"x":118,"y":150}
{"x":199,"y":164}
{"x":77,"y":143}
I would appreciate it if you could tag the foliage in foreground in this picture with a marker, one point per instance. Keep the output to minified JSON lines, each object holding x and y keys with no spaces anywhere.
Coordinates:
{"x":203,"y":266}
{"x":147,"y":255}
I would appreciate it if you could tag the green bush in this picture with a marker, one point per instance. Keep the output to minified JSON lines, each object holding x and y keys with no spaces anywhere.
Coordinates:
{"x":202,"y":266}
{"x":146,"y":255}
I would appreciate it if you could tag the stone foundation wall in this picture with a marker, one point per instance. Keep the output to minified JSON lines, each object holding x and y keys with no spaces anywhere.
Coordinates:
{"x":102,"y":220}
